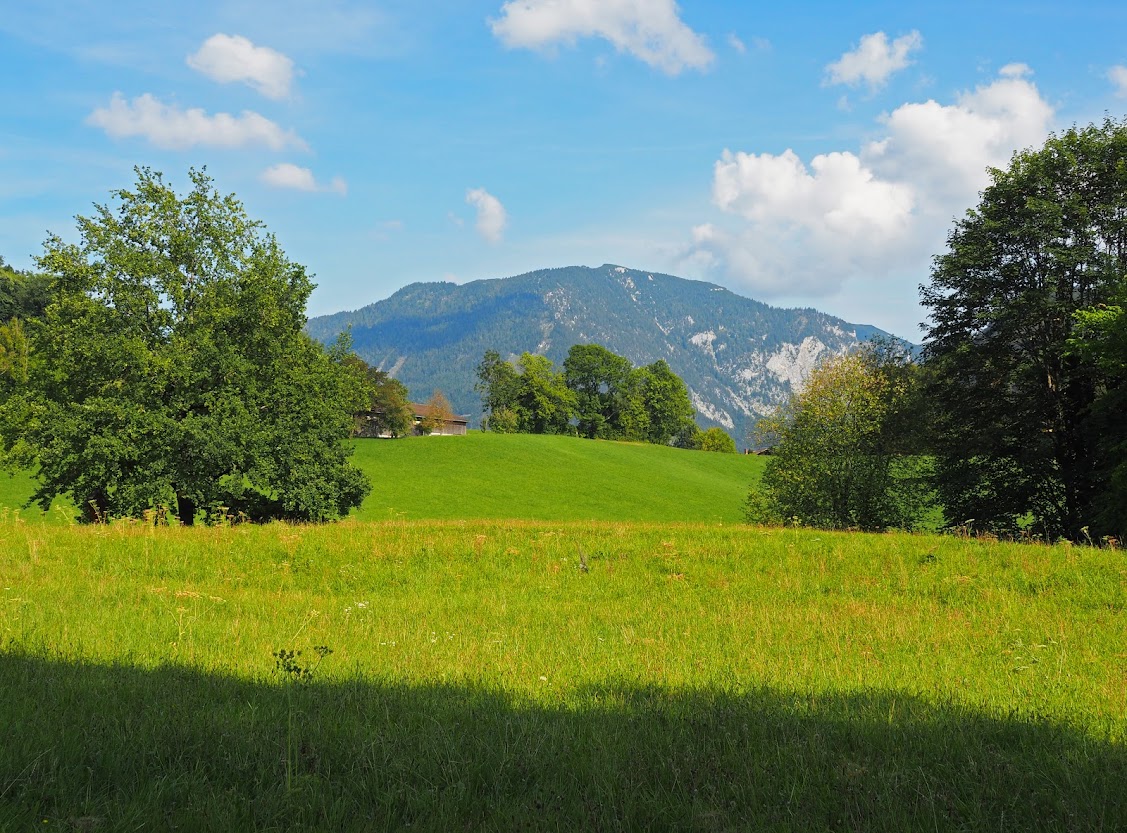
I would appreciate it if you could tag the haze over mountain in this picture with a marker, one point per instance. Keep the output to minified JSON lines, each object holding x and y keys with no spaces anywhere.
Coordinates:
{"x":739,"y":357}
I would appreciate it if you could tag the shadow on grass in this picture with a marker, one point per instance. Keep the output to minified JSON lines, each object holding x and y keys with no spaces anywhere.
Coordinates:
{"x":115,"y":747}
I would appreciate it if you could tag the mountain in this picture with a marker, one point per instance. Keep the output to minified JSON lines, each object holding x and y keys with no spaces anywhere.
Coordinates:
{"x":739,"y":357}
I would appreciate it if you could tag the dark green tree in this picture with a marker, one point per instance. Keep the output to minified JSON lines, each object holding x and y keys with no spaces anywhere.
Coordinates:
{"x":170,"y":368}
{"x":545,"y":404}
{"x":388,"y":411}
{"x":23,"y":297}
{"x":499,"y":385}
{"x":1101,"y":337}
{"x":598,"y":378}
{"x":689,"y":438}
{"x":22,"y":294}
{"x":665,"y":400}
{"x":1017,"y":430}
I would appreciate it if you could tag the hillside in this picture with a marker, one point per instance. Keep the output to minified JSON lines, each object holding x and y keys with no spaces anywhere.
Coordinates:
{"x":739,"y":357}
{"x":535,"y":477}
{"x":497,"y":476}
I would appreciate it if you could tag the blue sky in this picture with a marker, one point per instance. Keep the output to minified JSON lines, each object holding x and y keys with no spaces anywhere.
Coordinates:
{"x":807,"y":154}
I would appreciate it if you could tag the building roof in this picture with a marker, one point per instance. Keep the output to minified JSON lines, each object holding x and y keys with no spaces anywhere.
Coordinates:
{"x":425,"y":411}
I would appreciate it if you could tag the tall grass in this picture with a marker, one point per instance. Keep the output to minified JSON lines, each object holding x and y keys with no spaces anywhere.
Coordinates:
{"x":692,"y":677}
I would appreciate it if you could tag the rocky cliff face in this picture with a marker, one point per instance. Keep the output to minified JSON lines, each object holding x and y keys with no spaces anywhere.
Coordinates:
{"x":740,"y":358}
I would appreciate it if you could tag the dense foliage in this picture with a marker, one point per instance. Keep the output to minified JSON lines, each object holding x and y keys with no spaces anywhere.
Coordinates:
{"x":388,"y":411}
{"x":843,"y":451}
{"x":1101,"y":337}
{"x":169,"y":369}
{"x":598,"y":395}
{"x":23,"y":297}
{"x":718,"y":440}
{"x":1027,"y":396}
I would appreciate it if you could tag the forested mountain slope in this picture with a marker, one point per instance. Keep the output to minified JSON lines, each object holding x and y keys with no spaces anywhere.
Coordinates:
{"x":739,"y":357}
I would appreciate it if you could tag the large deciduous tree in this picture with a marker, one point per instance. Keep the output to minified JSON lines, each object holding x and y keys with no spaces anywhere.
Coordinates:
{"x":841,"y":459}
{"x":598,"y":377}
{"x":1019,"y":434}
{"x":665,"y":402}
{"x":544,"y":403}
{"x":388,"y":410}
{"x":1101,"y":337}
{"x":170,"y":368}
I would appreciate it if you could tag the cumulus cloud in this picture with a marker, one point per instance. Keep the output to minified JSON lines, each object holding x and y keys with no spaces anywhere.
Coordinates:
{"x":737,"y":44}
{"x":944,"y":150}
{"x":874,"y":60}
{"x":168,"y":126}
{"x":491,"y":216}
{"x":650,"y":30}
{"x":288,"y":175}
{"x":228,"y":58}
{"x":1118,"y":76}
{"x":798,"y":227}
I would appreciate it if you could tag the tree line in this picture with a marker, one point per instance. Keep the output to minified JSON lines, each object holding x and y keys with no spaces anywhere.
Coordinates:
{"x":1015,"y":420}
{"x":597,"y":395}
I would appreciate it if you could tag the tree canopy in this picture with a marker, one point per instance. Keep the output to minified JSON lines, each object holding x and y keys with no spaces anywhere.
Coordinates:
{"x":717,"y":439}
{"x":841,"y":459}
{"x":169,"y":368}
{"x":1020,"y":408}
{"x":604,"y":394}
{"x":388,"y":410}
{"x":23,"y":295}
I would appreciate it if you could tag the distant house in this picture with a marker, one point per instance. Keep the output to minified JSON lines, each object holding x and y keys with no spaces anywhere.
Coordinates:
{"x":368,"y":424}
{"x":452,"y":426}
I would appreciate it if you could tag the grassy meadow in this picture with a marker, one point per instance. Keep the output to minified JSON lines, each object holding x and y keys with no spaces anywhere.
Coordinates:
{"x":541,"y":477}
{"x":534,"y":477}
{"x":472,"y":675}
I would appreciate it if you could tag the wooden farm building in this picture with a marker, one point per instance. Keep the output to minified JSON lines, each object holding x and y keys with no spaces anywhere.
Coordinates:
{"x":452,"y":425}
{"x":368,"y":424}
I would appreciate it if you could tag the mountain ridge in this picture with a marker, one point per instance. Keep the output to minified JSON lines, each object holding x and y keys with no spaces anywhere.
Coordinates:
{"x":738,"y":356}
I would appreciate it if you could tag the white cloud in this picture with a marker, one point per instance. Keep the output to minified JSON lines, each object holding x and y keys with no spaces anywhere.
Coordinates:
{"x":945,"y":149}
{"x":227,"y":58}
{"x":650,"y":30}
{"x":1016,"y":70}
{"x":288,"y":175}
{"x":874,"y":60}
{"x":737,"y":44}
{"x":491,"y":217}
{"x":802,"y":227}
{"x":167,"y":126}
{"x":1118,"y":76}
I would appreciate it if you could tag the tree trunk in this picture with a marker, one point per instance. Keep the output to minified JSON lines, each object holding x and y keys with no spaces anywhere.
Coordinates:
{"x":185,"y":507}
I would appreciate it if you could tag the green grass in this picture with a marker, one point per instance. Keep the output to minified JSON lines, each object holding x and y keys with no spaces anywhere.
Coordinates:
{"x":486,"y":475}
{"x":537,"y":477}
{"x":15,"y":489}
{"x":695,"y":677}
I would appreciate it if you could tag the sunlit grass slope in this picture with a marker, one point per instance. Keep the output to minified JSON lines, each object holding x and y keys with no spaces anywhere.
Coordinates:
{"x":693,"y":677}
{"x":484,"y":475}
